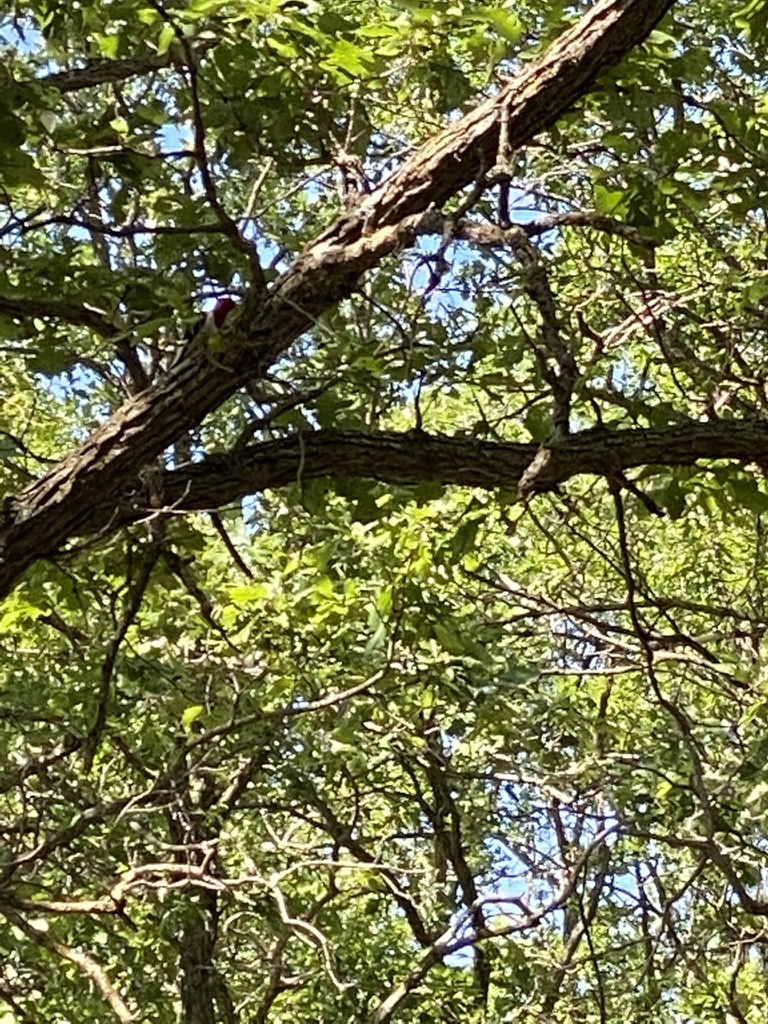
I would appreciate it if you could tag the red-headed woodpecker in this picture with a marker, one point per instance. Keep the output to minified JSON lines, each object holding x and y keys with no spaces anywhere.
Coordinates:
{"x":222,"y":309}
{"x":205,"y":327}
{"x":214,"y":320}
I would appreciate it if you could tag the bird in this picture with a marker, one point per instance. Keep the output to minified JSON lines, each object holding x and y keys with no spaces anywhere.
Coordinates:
{"x":213,"y":320}
{"x":205,"y":327}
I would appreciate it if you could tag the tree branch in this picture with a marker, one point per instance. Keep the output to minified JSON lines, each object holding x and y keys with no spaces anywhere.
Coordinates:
{"x":105,"y":72}
{"x":419,"y":458}
{"x":84,"y":961}
{"x":80,"y":314}
{"x":495,"y":236}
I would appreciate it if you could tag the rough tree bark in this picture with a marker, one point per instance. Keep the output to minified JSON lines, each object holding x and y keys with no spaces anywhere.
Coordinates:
{"x":70,"y":499}
{"x":419,"y":457}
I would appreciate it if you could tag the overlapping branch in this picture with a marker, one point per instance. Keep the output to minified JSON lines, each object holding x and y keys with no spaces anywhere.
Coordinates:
{"x":418,"y":457}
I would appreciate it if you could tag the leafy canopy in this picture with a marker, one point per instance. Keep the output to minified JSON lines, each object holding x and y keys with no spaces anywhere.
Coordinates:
{"x":421,"y":675}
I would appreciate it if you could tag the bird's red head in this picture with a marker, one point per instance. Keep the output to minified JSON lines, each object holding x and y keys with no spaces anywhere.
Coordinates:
{"x":222,"y":309}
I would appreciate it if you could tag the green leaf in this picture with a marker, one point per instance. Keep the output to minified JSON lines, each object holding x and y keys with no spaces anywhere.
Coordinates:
{"x":191,"y":715}
{"x":108,"y":45}
{"x":355,"y":60}
{"x":49,"y":120}
{"x":377,"y":641}
{"x":252,"y":593}
{"x":507,"y":25}
{"x":609,"y":201}
{"x":165,"y":39}
{"x":464,"y":539}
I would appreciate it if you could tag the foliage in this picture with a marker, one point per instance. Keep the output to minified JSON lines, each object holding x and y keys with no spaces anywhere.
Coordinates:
{"x":374,"y":743}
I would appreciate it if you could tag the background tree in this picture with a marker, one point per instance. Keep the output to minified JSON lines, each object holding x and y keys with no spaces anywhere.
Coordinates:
{"x":396,"y":650}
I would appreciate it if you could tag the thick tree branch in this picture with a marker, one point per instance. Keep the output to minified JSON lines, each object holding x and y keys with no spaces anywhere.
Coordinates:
{"x":530,"y":102}
{"x":40,"y":518}
{"x":494,"y":236}
{"x":417,"y":457}
{"x":105,"y":72}
{"x":78,"y":313}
